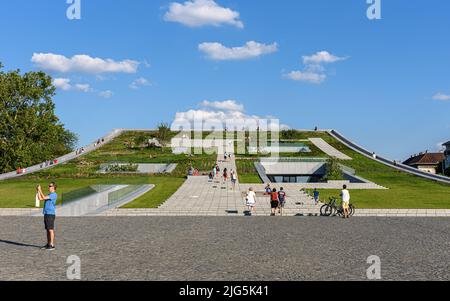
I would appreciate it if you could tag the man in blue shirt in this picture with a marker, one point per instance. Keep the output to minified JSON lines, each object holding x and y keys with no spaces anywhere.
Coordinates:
{"x":49,"y":214}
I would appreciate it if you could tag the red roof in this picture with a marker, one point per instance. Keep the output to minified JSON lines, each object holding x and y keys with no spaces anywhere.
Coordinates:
{"x":426,"y":159}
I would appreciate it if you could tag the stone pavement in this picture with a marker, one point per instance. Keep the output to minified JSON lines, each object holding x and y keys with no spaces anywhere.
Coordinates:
{"x":297,"y":210}
{"x":227,"y":249}
{"x":328,"y":149}
{"x":19,"y":211}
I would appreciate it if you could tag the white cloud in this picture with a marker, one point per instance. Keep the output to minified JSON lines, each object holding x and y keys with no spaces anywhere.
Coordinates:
{"x":322,"y":57}
{"x":221,"y":114}
{"x":197,"y":13}
{"x":82,"y":63}
{"x":441,"y":96}
{"x":140,"y":82}
{"x":62,"y":83}
{"x":228,"y":105}
{"x":106,"y":94}
{"x":83,"y":88}
{"x":314,"y":72}
{"x":252,"y":49}
{"x":65,"y":85}
{"x":306,"y":76}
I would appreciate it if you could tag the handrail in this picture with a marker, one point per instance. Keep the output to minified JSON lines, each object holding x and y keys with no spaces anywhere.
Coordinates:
{"x":70,"y":156}
{"x":399,"y":166}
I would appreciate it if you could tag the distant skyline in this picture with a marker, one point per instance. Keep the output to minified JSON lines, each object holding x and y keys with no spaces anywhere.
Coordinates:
{"x":383,"y":83}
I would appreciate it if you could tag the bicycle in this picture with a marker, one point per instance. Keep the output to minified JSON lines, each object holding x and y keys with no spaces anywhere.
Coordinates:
{"x":332,"y":209}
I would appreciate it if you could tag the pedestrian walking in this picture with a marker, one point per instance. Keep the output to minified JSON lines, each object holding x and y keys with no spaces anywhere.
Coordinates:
{"x":267,"y":190}
{"x":225,"y":175}
{"x":214,"y":173}
{"x":217,"y":170}
{"x":316,"y":196}
{"x":274,"y":203}
{"x":233,"y":179}
{"x":281,"y":200}
{"x":251,"y":200}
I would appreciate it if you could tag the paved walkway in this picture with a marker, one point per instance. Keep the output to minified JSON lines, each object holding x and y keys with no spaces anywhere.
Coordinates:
{"x":199,"y":196}
{"x":227,"y":249}
{"x":328,"y":149}
{"x":298,"y":209}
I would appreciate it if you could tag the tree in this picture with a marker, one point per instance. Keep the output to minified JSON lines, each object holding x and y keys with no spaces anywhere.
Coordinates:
{"x":333,"y":170}
{"x":30,"y":132}
{"x":447,"y":172}
{"x":163,"y":133}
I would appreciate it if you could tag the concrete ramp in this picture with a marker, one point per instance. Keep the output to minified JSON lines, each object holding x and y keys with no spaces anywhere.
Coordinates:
{"x":328,"y":149}
{"x":109,"y":198}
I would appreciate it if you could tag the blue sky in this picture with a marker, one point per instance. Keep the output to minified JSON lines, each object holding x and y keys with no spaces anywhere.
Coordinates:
{"x":385,"y":83}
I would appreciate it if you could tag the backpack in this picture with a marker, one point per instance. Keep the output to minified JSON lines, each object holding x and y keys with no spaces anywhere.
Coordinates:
{"x":281,"y":196}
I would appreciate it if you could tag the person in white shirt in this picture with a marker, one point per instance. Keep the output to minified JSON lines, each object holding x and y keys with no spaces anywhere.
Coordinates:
{"x":251,"y":200}
{"x":345,"y":195}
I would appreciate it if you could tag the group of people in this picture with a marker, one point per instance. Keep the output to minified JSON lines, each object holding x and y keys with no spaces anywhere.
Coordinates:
{"x":49,"y":163}
{"x":226,"y":156}
{"x":21,"y":171}
{"x":99,"y":141}
{"x":277,"y":200}
{"x":216,"y":172}
{"x":79,"y":151}
{"x":193,"y":172}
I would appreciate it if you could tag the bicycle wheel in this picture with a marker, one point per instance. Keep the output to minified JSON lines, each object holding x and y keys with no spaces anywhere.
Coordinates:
{"x":326,"y":210}
{"x":352,"y":210}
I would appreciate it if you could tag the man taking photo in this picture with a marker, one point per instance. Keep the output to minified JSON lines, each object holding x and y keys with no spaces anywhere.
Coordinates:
{"x":49,"y":214}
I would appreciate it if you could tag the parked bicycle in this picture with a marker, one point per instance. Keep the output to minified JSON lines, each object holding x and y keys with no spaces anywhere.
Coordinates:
{"x":332,"y":209}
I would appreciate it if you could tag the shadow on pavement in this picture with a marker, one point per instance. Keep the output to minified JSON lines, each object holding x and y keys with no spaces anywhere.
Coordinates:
{"x":18,"y":244}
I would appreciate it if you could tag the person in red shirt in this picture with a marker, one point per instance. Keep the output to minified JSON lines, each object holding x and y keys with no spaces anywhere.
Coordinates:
{"x":274,"y":203}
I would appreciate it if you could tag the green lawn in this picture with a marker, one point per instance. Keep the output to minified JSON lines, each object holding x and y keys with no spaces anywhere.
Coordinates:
{"x":122,"y":150}
{"x":247,"y":172}
{"x":164,"y":189}
{"x":398,"y":197}
{"x":21,"y":193}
